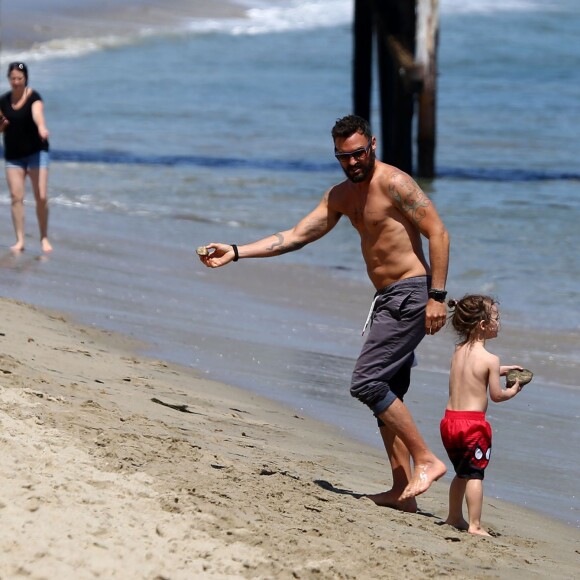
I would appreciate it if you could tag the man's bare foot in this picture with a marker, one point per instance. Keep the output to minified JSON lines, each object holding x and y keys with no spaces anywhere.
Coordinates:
{"x":458,"y":524}
{"x":45,"y":245}
{"x":390,"y":499}
{"x":424,"y":475}
{"x":478,"y":531}
{"x":17,"y":247}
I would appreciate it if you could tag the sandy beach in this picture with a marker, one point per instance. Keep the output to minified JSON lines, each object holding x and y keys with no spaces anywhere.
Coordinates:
{"x":117,"y":466}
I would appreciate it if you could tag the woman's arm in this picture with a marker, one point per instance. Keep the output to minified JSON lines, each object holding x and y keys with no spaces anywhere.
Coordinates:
{"x":3,"y":122}
{"x":38,"y":116}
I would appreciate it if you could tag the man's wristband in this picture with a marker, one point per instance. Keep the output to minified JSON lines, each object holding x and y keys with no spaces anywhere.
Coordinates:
{"x":236,"y":254}
{"x":437,"y":295}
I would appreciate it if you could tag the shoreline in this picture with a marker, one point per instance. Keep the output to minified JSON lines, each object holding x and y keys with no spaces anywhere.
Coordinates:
{"x":125,"y":466}
{"x":66,"y":19}
{"x":276,"y":338}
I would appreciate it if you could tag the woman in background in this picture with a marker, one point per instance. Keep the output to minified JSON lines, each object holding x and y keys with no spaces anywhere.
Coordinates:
{"x":25,"y":151}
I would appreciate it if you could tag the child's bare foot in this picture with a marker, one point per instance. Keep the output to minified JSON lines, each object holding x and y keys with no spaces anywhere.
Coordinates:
{"x":390,"y":499}
{"x":458,"y":524}
{"x":17,"y":247}
{"x":46,"y":246}
{"x":424,"y":475}
{"x":478,"y":531}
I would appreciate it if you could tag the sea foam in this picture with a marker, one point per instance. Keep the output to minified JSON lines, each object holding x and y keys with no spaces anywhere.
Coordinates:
{"x":262,"y":17}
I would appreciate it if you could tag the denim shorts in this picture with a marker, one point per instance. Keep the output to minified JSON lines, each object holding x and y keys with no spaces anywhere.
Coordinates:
{"x":34,"y":161}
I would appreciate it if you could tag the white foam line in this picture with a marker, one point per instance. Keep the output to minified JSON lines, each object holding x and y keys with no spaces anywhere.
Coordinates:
{"x":261,"y":18}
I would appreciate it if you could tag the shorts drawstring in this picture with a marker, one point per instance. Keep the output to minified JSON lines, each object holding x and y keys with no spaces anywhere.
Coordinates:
{"x":415,"y":281}
{"x":370,"y":315}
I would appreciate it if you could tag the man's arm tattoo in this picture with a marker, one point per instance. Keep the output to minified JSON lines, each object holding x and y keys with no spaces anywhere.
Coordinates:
{"x":281,"y":248}
{"x":312,"y":230}
{"x":409,"y":198}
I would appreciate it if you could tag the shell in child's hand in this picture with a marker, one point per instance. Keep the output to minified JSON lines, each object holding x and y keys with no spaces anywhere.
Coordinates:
{"x":524,"y":377}
{"x":202,"y":251}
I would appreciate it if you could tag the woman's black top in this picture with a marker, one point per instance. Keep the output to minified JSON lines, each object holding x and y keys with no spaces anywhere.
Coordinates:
{"x":21,"y":136}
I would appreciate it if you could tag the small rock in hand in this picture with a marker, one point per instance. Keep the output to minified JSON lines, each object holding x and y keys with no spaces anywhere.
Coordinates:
{"x":524,"y":376}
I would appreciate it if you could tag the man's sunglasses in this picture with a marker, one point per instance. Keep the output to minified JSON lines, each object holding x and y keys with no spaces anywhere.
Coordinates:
{"x":356,"y":154}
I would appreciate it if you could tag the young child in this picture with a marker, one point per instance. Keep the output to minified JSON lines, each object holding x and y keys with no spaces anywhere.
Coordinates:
{"x":465,"y":432}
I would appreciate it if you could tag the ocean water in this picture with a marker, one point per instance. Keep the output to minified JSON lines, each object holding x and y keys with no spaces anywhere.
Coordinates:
{"x":220,"y":131}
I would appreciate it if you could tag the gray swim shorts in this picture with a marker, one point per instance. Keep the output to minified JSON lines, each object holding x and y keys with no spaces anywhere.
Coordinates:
{"x":397,"y":325}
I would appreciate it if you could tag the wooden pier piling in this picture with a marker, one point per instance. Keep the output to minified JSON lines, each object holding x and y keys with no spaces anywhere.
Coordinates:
{"x":405,"y":34}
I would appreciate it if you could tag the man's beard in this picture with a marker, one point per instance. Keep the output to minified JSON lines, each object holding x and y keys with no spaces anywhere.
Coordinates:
{"x":365,"y":170}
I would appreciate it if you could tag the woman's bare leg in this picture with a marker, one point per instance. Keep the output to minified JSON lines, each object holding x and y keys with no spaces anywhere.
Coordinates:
{"x":15,"y":178}
{"x":39,"y":180}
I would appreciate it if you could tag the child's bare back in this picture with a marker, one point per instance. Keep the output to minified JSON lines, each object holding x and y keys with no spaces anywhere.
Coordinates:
{"x":472,"y":367}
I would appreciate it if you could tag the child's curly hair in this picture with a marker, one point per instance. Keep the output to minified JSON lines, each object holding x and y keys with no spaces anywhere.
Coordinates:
{"x":468,"y":312}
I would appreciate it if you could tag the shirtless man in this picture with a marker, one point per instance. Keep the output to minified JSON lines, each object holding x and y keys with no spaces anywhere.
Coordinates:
{"x":390,"y":213}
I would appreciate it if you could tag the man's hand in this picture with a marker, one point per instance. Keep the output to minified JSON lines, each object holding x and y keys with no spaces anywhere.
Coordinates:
{"x":218,"y":255}
{"x":435,"y":316}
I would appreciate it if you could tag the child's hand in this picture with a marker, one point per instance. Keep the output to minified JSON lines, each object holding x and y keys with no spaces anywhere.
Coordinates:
{"x":503,"y":370}
{"x":516,"y":387}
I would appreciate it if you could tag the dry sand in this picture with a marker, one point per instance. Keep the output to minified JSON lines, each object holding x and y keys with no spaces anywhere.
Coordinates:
{"x":115,"y":466}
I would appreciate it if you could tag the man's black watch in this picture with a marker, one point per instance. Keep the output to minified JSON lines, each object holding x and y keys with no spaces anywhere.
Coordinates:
{"x":437,"y":295}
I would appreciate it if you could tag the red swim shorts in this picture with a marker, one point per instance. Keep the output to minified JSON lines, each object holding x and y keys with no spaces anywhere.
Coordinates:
{"x":466,"y":436}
